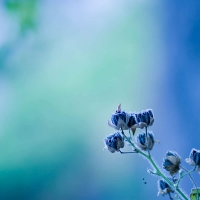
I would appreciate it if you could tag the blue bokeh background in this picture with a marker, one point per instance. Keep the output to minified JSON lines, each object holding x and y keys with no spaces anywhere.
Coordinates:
{"x":64,"y":68}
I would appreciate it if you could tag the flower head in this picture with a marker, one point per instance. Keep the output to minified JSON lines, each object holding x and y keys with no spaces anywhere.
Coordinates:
{"x":114,"y":142}
{"x":164,"y":188}
{"x":141,"y":140}
{"x":144,"y":118}
{"x":119,"y":119}
{"x":132,"y":121}
{"x":194,"y":159}
{"x":171,"y":162}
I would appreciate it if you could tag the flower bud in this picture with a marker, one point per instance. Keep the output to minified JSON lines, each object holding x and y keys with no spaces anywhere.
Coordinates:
{"x":164,"y":188}
{"x":141,"y":140}
{"x":171,"y":162}
{"x":114,"y":142}
{"x":194,"y":159}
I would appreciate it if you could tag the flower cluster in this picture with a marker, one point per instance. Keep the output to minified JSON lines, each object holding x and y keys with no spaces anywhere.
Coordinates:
{"x":143,"y":143}
{"x":124,"y":120}
{"x":130,"y":121}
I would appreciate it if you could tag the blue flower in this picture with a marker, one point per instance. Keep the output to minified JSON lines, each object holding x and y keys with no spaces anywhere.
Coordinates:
{"x":171,"y":162}
{"x":194,"y":159}
{"x":144,"y":118}
{"x":142,"y":142}
{"x":114,"y":142}
{"x":164,"y":188}
{"x":132,"y":121}
{"x":119,"y":119}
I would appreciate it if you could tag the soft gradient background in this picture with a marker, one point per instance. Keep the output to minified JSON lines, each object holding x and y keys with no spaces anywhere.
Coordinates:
{"x":64,"y":68}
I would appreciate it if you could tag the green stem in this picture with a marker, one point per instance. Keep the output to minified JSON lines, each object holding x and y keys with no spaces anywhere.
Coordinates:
{"x":158,"y":172}
{"x":197,"y":194}
{"x":147,"y":141}
{"x":189,"y":172}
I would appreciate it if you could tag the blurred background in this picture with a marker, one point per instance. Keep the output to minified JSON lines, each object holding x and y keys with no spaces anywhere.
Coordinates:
{"x":64,"y":68}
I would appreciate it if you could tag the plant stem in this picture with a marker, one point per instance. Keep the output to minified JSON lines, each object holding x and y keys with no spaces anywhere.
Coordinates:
{"x":127,"y":152}
{"x":158,"y":172}
{"x":147,"y":141}
{"x":197,"y":194}
{"x":188,"y":172}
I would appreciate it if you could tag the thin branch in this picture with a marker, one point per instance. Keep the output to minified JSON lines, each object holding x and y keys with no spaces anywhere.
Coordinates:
{"x":147,"y":141}
{"x":192,"y":181}
{"x":188,"y":172}
{"x":128,"y":152}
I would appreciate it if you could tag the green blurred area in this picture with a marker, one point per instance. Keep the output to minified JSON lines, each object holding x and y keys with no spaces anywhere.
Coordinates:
{"x":59,"y":85}
{"x":24,"y":11}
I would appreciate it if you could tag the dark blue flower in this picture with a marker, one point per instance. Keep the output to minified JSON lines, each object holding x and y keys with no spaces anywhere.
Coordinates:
{"x":114,"y":142}
{"x":194,"y":159}
{"x":144,"y":118}
{"x":141,"y":140}
{"x":119,"y":119}
{"x":164,"y":188}
{"x":132,"y":122}
{"x":171,"y":162}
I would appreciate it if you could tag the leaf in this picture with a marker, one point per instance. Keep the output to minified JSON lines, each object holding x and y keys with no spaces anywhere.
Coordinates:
{"x":193,"y":195}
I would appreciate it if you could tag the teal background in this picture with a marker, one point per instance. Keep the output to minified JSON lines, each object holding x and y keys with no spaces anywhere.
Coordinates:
{"x":64,"y":68}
